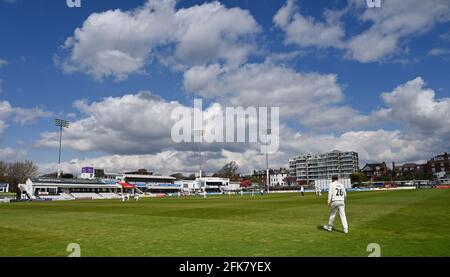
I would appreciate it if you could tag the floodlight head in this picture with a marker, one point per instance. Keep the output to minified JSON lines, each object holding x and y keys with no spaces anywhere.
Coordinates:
{"x":61,"y":123}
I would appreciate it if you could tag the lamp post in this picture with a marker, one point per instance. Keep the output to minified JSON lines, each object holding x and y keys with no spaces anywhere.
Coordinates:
{"x":61,"y":123}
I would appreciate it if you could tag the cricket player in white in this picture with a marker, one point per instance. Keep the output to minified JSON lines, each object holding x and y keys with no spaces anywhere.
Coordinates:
{"x":336,"y":200}
{"x":317,"y":188}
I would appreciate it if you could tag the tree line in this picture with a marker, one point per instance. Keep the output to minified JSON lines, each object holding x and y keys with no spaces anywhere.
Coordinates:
{"x":229,"y":170}
{"x":15,"y":173}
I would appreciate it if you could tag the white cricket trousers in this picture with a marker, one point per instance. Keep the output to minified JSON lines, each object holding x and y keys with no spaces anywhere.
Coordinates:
{"x":338,"y":206}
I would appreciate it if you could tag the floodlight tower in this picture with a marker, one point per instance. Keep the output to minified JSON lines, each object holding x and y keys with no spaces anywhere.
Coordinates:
{"x":267,"y":132}
{"x":199,"y":133}
{"x":61,"y":123}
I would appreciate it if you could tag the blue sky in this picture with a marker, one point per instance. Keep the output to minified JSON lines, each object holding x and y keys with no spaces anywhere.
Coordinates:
{"x":401,"y":49}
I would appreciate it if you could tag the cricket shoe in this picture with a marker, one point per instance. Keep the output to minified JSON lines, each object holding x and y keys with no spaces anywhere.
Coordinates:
{"x":327,"y":228}
{"x":346,"y":231}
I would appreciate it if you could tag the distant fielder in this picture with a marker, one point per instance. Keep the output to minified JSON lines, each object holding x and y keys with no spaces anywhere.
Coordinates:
{"x":317,"y":188}
{"x":336,"y":200}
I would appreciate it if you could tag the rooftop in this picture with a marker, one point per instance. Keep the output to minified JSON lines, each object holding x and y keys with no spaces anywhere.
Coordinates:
{"x":67,"y":181}
{"x":148,"y":176}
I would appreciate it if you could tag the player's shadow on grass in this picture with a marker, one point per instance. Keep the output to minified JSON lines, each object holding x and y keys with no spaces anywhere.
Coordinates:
{"x":320,"y":227}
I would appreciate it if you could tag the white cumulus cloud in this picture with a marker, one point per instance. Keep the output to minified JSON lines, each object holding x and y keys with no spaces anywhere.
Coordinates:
{"x":118,"y":43}
{"x":416,"y":107}
{"x":388,"y":29}
{"x":314,"y":99}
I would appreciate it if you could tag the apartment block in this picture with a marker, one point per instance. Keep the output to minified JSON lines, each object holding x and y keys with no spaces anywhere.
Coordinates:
{"x":316,"y":167}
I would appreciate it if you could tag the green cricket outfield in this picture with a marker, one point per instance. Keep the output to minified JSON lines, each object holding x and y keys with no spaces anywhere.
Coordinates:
{"x":403,"y":223}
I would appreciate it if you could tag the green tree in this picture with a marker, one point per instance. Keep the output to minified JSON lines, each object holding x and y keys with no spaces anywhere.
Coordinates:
{"x":389,"y":176}
{"x":254,"y":179}
{"x":358,"y":177}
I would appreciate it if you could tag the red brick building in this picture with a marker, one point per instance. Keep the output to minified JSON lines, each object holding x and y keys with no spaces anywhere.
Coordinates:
{"x":409,"y":168}
{"x":439,"y":166}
